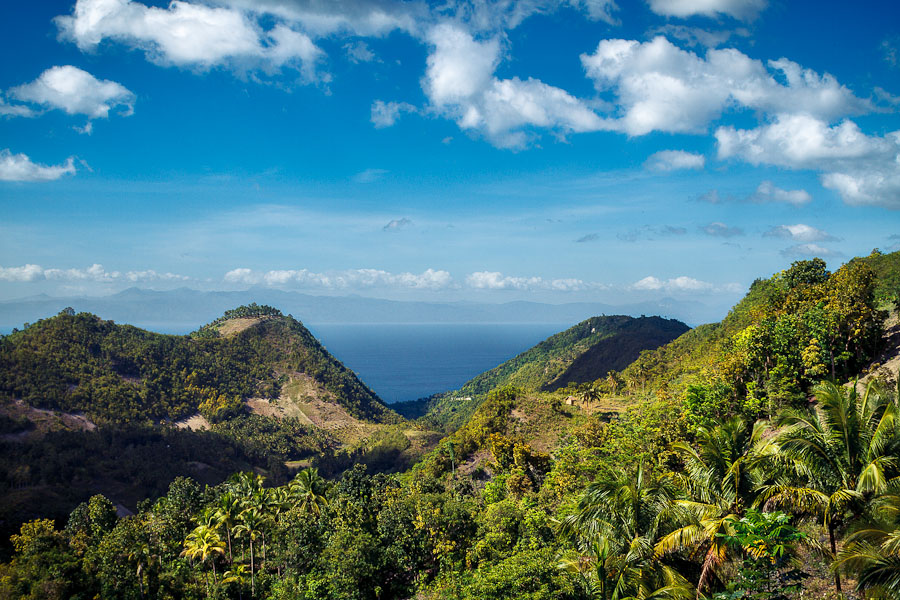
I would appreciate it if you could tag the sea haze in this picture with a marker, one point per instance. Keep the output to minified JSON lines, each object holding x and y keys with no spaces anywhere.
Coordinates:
{"x":407,"y":362}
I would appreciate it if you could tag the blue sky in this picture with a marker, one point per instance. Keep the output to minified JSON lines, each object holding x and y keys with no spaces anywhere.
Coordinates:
{"x":545,"y":150}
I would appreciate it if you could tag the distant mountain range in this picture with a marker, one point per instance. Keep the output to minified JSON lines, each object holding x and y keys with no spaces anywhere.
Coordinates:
{"x":182,"y":310}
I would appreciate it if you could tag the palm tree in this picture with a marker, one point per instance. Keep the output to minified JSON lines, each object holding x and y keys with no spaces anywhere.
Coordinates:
{"x":308,"y":489}
{"x":250,"y":525}
{"x":721,"y":479}
{"x":613,"y":530}
{"x":237,"y":575}
{"x":844,"y":451}
{"x":226,"y":509}
{"x":591,"y":395}
{"x":204,"y":543}
{"x":872,"y":551}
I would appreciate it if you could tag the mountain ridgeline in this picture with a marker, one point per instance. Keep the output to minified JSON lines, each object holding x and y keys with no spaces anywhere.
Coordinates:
{"x":121,"y":374}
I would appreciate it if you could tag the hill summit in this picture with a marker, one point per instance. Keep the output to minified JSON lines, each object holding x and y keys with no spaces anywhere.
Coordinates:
{"x":120,"y":374}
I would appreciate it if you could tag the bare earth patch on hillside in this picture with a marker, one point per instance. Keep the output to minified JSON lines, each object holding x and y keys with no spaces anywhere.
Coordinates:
{"x":43,"y":421}
{"x":305,"y":398}
{"x":195,"y":423}
{"x":235,"y":326}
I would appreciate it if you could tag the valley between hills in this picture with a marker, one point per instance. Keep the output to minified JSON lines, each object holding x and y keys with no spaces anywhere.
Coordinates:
{"x":624,"y":457}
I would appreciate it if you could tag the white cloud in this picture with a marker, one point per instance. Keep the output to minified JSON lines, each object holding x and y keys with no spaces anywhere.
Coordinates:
{"x":359,"y":52}
{"x":808,"y":250}
{"x":459,"y":68}
{"x":500,"y":15}
{"x":682,"y":284}
{"x":18,"y":167}
{"x":862,"y":169}
{"x":24,"y":273}
{"x":189,"y":35}
{"x":151,"y":275}
{"x":15,"y":110}
{"x":673,"y":160}
{"x":77,"y":92}
{"x":459,"y":82}
{"x":95,"y":272}
{"x":330,"y":17}
{"x":768,"y":192}
{"x":798,"y":141}
{"x":800,"y":232}
{"x":744,"y":10}
{"x":385,"y":114}
{"x":430,"y":279}
{"x":493,"y":280}
{"x":660,"y":87}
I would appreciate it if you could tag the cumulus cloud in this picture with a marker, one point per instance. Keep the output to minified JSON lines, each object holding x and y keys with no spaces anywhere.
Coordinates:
{"x":800,"y":232}
{"x":24,"y":273}
{"x":768,"y":192}
{"x":862,"y":169}
{"x":335,"y":17}
{"x":807,"y":251}
{"x":189,"y":35}
{"x":370,"y":175}
{"x":430,"y":279}
{"x":494,"y":280}
{"x":719,"y":229}
{"x":385,"y":114}
{"x":397,"y":224}
{"x":660,"y":87}
{"x":674,"y":160}
{"x":95,"y":273}
{"x":683,"y":284}
{"x":744,"y":10}
{"x":590,"y":237}
{"x":77,"y":92}
{"x":501,"y":15}
{"x":15,"y":110}
{"x":460,"y":84}
{"x":18,"y":167}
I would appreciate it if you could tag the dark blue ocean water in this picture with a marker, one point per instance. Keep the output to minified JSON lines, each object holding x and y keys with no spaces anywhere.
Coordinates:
{"x":407,"y":362}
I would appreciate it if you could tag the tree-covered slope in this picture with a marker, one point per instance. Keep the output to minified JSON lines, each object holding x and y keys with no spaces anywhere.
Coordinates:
{"x":579,"y":354}
{"x":791,"y":330}
{"x":119,"y":374}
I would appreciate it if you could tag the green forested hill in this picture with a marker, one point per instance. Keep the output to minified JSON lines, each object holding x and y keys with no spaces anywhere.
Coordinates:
{"x":122,"y":374}
{"x":580,"y":354}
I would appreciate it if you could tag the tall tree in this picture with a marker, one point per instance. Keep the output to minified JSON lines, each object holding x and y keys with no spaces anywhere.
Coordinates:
{"x":844,"y":451}
{"x":721,"y":479}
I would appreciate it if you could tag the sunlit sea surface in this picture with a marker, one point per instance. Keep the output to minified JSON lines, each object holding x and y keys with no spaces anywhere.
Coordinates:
{"x":406,"y":362}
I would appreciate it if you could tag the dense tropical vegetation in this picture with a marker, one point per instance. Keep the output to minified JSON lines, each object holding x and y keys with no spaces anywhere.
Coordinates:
{"x":744,"y":460}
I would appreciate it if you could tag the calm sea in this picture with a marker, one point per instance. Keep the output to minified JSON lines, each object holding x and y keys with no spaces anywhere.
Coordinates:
{"x":407,"y":362}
